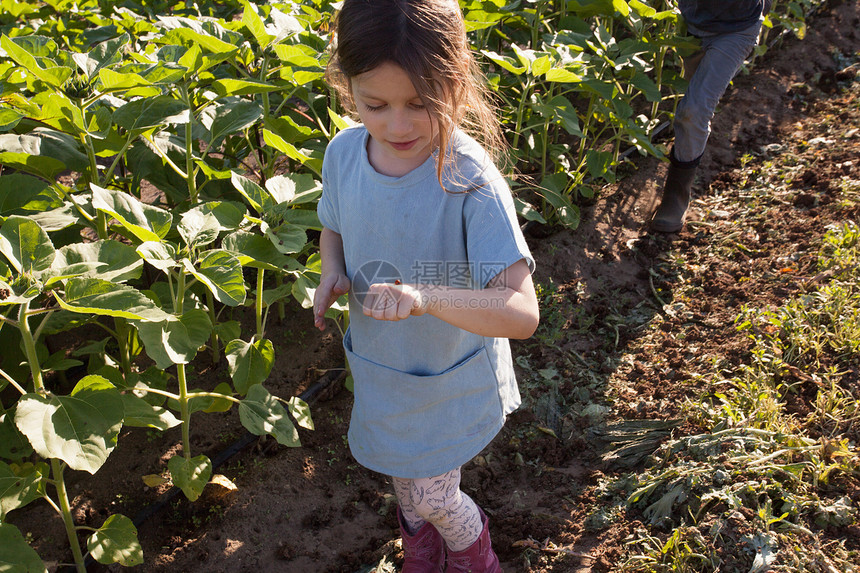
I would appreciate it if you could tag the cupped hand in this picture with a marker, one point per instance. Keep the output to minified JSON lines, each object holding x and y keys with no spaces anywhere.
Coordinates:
{"x":393,"y":301}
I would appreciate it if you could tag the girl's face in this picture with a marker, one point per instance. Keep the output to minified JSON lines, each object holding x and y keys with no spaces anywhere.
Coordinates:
{"x":401,"y":130}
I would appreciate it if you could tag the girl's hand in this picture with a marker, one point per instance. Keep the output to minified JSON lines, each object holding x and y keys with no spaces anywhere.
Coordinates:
{"x":331,"y":288}
{"x":393,"y":301}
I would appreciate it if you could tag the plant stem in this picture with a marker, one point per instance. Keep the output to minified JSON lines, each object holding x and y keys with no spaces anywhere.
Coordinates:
{"x":68,"y":521}
{"x":102,"y":225}
{"x":520,"y":111}
{"x":189,"y":151}
{"x":213,"y":339}
{"x":91,"y":155}
{"x":12,"y":382}
{"x":123,"y":333}
{"x":30,"y":347}
{"x":184,"y":413}
{"x":259,"y":303}
{"x":178,"y":304}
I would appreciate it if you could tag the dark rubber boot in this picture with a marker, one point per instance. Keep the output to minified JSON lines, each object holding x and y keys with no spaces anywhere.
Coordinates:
{"x":424,"y":551}
{"x":672,"y":212}
{"x":478,"y":557}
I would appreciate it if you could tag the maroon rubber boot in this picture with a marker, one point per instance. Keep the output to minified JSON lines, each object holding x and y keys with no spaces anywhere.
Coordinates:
{"x":424,"y":551}
{"x":478,"y":557}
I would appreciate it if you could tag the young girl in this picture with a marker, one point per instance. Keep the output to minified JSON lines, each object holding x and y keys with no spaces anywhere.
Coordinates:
{"x":420,"y":229}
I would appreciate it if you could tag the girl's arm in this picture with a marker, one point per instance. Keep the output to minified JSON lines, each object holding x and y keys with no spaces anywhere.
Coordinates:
{"x":506,"y":308}
{"x":333,"y":281}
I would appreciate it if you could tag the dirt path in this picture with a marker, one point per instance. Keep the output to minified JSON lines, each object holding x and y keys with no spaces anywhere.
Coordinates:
{"x":621,"y":339}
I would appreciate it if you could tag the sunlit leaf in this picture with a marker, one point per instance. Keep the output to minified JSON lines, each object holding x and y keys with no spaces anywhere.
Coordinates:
{"x":249,"y":363}
{"x":18,"y":556}
{"x":221,"y":272}
{"x":26,"y":245}
{"x":190,"y":475}
{"x":146,"y":222}
{"x":116,"y":542}
{"x":81,"y":429}
{"x":261,"y":413}
{"x":177,"y":340}
{"x":105,"y":298}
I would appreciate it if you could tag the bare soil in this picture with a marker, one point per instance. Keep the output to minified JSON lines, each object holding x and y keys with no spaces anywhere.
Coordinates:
{"x":621,"y":339}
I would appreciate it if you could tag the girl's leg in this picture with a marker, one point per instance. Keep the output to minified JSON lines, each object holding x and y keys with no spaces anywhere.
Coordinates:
{"x":423,"y":547}
{"x":438,"y":500}
{"x":402,"y":489}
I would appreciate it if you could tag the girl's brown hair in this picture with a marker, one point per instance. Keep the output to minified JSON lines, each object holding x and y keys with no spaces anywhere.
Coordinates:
{"x":427,"y":39}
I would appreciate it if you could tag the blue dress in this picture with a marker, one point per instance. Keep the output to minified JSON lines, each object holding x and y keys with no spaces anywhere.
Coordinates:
{"x":428,"y":396}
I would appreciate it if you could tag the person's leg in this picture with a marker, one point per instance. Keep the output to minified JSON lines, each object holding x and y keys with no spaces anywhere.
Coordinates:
{"x":439,"y":502}
{"x":720,"y":59}
{"x":423,"y":547}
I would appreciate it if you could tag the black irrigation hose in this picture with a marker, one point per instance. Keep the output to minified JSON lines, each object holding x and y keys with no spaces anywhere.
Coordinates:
{"x":310,"y":395}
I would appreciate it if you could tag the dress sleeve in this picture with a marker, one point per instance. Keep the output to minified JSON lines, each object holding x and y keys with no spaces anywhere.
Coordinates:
{"x":494,"y":240}
{"x":327,"y":208}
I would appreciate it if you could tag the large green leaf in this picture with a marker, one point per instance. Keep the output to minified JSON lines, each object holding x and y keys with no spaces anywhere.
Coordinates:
{"x":301,"y":411}
{"x":9,"y":118}
{"x":252,"y":21}
{"x":146,"y":222}
{"x":24,"y":288}
{"x":26,"y":245}
{"x":81,"y":429}
{"x":17,"y":489}
{"x":249,"y":363}
{"x":261,"y":413}
{"x":175,"y":341}
{"x":505,"y":62}
{"x":562,"y":75}
{"x":145,"y":113}
{"x":17,"y":190}
{"x":255,"y":251}
{"x":233,"y":119}
{"x":284,"y":146}
{"x":120,"y":81}
{"x":198,"y":228}
{"x":42,"y":166}
{"x":108,"y":260}
{"x":190,"y":475}
{"x":141,"y":414}
{"x":102,"y":55}
{"x":160,"y":255}
{"x":221,"y":272}
{"x":105,"y":298}
{"x":116,"y":542}
{"x":293,"y":188}
{"x":55,"y":76}
{"x":44,"y":142}
{"x":256,"y":195}
{"x":18,"y":556}
{"x":188,"y":32}
{"x":229,"y":215}
{"x":231,"y":87}
{"x":287,"y":238}
{"x":13,"y":445}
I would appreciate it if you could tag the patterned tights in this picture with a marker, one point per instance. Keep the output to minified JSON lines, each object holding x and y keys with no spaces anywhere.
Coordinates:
{"x":438,"y":500}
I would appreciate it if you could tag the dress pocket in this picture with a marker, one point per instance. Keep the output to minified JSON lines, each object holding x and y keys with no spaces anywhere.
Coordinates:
{"x":406,"y":421}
